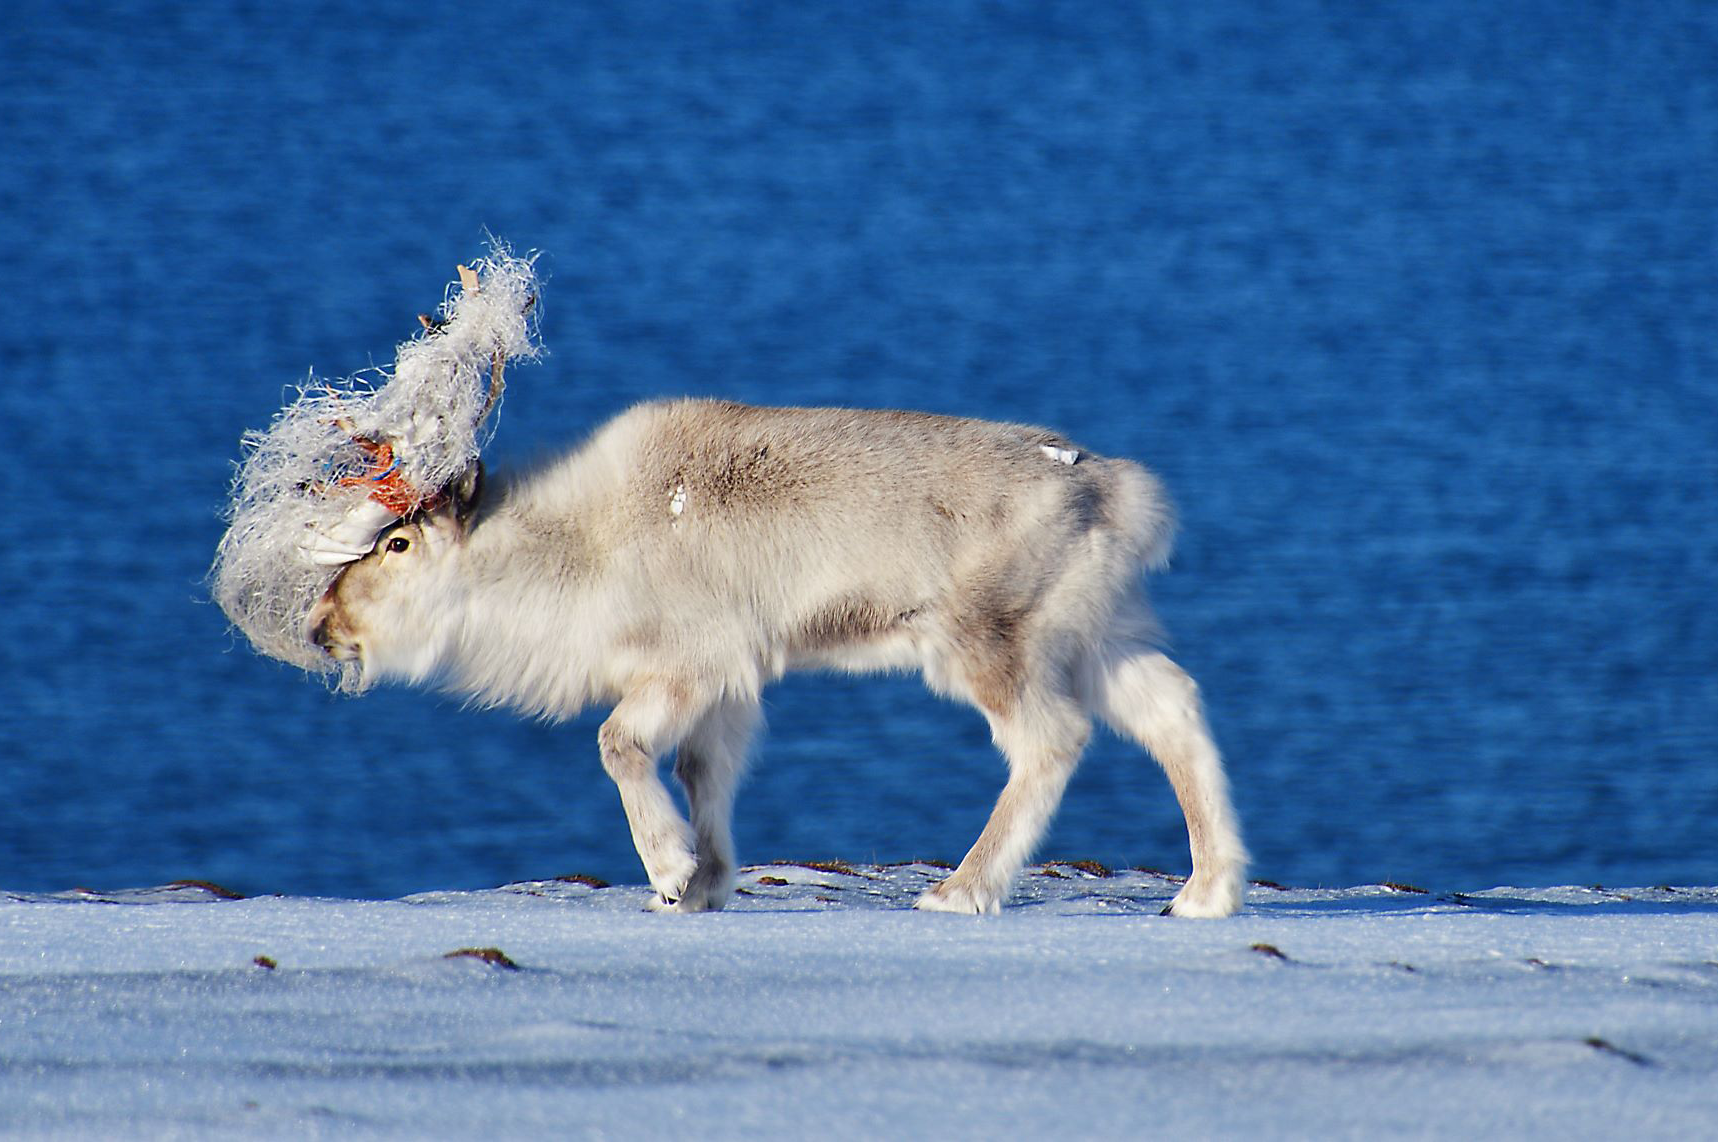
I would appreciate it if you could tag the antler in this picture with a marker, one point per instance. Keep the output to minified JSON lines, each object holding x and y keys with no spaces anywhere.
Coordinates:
{"x":391,"y":495}
{"x":496,"y":384}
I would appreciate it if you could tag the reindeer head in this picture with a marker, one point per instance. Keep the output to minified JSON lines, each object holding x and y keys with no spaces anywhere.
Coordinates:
{"x":350,"y":462}
{"x":391,"y":613}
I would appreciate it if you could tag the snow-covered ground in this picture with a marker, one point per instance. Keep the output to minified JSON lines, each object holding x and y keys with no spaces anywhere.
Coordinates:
{"x":819,"y":1006}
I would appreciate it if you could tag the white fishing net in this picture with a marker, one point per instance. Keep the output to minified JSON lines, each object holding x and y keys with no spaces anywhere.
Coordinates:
{"x":348,"y":456}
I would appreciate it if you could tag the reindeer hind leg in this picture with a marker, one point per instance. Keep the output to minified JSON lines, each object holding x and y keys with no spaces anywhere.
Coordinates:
{"x":1042,"y":733}
{"x":1148,"y":698}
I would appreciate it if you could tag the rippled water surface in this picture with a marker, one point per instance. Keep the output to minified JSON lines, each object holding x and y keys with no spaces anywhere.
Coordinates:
{"x":1415,"y":314}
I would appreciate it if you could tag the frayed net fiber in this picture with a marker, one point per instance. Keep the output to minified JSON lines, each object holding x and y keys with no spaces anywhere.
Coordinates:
{"x":309,"y":469}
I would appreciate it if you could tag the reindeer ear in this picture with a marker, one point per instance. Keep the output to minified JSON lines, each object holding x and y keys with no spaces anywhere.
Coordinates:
{"x":466,"y":491}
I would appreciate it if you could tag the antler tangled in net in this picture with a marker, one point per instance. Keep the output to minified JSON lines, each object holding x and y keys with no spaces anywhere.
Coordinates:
{"x":347,"y":457}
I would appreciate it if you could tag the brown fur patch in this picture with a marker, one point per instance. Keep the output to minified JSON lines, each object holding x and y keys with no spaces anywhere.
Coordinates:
{"x":1088,"y":504}
{"x":749,"y":470}
{"x":992,"y":657}
{"x":997,"y":690}
{"x":845,"y":622}
{"x":746,"y":476}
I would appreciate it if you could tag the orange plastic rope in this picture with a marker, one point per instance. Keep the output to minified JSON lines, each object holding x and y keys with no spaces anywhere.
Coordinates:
{"x":387,"y":483}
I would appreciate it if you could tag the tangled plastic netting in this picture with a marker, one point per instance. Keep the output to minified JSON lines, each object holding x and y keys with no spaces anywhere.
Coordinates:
{"x":319,"y":463}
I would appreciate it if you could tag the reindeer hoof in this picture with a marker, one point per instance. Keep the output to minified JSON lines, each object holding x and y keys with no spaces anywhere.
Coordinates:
{"x":1207,"y":900}
{"x":661,"y":903}
{"x":689,"y":902}
{"x":951,"y":897}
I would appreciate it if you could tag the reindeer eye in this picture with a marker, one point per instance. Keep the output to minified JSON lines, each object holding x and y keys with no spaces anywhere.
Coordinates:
{"x":398,"y":543}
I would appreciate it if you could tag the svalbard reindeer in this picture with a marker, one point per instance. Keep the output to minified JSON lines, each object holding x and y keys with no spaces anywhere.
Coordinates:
{"x":693,"y":551}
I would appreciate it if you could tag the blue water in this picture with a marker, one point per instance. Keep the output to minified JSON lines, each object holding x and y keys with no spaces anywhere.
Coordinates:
{"x":1417,"y":314}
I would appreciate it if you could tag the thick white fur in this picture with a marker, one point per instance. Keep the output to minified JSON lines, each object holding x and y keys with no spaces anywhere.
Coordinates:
{"x":694,"y":551}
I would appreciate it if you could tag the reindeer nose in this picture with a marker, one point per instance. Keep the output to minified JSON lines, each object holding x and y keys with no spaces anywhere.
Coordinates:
{"x":321,"y":620}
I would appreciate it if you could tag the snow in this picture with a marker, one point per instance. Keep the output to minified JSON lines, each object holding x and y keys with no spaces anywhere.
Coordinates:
{"x":820,"y":1005}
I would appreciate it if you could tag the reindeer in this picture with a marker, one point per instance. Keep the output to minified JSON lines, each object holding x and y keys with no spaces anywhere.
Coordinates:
{"x":693,"y":551}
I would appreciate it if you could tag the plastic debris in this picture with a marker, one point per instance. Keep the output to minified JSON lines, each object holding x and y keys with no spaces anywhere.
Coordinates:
{"x":346,"y":458}
{"x":1060,"y":455}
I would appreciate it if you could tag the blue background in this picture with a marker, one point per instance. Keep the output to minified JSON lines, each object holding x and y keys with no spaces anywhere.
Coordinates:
{"x":1415,"y":311}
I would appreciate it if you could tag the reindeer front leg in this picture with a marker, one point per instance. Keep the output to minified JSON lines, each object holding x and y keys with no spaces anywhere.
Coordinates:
{"x":649,"y":721}
{"x":711,"y":759}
